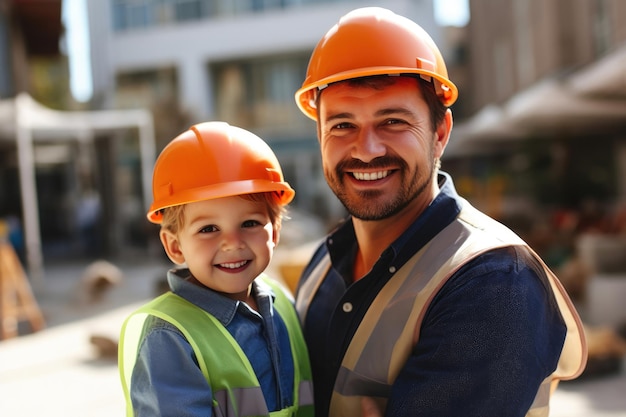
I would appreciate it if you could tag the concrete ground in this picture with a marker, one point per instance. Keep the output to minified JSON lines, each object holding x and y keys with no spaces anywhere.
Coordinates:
{"x":58,"y":372}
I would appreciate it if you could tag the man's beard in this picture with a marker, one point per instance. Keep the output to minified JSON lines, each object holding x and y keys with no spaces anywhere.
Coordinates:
{"x":366,"y":205}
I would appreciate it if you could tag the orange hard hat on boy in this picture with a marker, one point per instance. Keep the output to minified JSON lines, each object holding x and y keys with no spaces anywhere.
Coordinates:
{"x":373,"y":41}
{"x":214,"y":160}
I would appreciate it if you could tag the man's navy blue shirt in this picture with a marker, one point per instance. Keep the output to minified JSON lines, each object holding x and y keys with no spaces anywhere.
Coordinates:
{"x":490,"y":336}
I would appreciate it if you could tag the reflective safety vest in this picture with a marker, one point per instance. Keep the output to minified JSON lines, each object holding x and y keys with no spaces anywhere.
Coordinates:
{"x":235,"y":387}
{"x":390,"y":328}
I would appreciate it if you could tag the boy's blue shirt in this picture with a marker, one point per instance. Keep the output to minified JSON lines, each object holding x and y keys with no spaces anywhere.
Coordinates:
{"x":167,"y":364}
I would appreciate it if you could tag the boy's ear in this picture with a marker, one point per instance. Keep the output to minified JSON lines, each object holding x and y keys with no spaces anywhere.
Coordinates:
{"x":276,"y":235}
{"x":172,"y":247}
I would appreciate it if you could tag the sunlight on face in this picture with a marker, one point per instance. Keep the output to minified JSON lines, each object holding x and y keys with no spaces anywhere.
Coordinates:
{"x":226,"y":243}
{"x":378,"y":147}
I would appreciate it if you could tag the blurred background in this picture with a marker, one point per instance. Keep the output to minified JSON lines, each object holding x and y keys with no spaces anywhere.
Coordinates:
{"x":91,"y":91}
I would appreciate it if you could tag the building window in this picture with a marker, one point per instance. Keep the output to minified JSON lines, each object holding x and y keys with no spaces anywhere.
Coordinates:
{"x":258,"y":94}
{"x":138,"y":14}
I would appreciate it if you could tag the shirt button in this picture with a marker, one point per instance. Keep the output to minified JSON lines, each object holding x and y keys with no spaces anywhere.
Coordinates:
{"x":392,"y":269}
{"x":347,"y":307}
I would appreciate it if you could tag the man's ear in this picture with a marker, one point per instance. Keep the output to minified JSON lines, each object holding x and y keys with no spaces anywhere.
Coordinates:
{"x":442,"y":134}
{"x":171,"y":244}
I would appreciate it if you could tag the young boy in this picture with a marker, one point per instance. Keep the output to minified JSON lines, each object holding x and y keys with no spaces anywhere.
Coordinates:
{"x":225,"y":341}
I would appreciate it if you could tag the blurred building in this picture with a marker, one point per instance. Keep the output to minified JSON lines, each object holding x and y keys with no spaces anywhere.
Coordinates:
{"x":539,"y":124}
{"x":29,"y":31}
{"x":79,"y":187}
{"x":516,"y":43}
{"x":546,"y":91}
{"x":237,"y":61}
{"x":70,"y":181}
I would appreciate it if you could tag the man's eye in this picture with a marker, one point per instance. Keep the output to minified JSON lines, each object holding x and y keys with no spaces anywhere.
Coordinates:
{"x":344,"y":125}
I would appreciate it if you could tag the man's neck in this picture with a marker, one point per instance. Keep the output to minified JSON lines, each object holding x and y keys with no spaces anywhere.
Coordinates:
{"x":373,"y":237}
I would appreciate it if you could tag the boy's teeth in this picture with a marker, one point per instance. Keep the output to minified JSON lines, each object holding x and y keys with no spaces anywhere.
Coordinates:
{"x":234,"y":265}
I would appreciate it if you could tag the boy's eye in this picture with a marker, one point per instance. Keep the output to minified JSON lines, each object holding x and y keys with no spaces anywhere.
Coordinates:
{"x":209,"y":229}
{"x":250,"y":223}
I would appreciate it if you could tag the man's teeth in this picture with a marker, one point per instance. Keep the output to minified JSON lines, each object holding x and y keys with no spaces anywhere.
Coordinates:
{"x":370,"y":176}
{"x":234,"y":265}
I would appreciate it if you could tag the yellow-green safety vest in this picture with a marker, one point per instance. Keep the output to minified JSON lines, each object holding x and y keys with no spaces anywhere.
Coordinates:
{"x":236,"y":389}
{"x":390,"y":328}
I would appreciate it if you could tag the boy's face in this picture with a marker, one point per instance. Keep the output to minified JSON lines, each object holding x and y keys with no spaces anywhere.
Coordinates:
{"x":226,"y":243}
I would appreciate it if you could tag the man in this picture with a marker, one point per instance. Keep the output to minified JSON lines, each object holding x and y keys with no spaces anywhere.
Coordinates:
{"x":418,"y":301}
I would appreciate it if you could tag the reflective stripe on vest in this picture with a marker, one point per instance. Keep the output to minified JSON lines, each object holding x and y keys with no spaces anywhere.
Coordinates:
{"x":371,"y":363}
{"x":236,"y":390}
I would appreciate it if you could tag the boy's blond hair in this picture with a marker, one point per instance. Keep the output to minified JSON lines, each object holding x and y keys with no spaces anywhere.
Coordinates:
{"x":174,"y":217}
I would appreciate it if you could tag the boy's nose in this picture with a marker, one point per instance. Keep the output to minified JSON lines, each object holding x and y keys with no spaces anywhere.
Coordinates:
{"x":231,"y":241}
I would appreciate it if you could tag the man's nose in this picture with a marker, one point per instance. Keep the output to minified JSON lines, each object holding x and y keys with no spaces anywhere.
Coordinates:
{"x":368,"y":146}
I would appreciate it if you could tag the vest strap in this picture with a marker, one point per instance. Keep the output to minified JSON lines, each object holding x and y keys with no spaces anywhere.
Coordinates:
{"x":310,"y":287}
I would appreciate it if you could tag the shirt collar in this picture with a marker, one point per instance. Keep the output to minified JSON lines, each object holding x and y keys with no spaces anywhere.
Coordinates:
{"x":214,"y":303}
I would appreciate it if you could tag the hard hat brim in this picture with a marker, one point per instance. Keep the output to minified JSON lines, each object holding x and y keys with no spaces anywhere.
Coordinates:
{"x":284,"y":195}
{"x":305,"y":95}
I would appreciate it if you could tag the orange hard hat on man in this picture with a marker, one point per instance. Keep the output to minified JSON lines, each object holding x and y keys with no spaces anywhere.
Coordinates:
{"x":214,"y":160}
{"x":373,"y":41}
